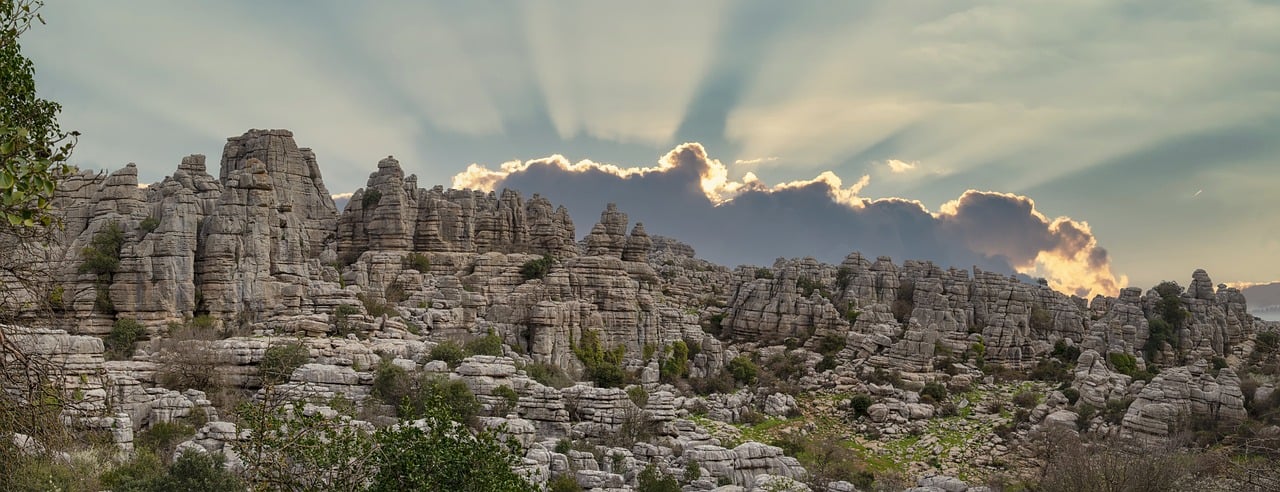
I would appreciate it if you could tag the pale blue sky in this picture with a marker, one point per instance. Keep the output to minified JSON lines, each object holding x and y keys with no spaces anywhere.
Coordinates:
{"x":1157,"y":122}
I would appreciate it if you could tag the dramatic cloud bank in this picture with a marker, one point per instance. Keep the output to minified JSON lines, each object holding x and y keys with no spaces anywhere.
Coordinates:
{"x":691,"y":197}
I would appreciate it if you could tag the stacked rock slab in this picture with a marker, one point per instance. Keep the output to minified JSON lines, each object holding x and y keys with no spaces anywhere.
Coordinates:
{"x":392,"y":213}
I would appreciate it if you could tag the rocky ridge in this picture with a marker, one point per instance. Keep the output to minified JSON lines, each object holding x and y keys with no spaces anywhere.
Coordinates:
{"x":262,"y":253}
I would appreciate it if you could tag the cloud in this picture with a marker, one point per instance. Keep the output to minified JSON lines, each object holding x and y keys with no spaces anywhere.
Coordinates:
{"x":753,"y":162}
{"x":899,"y":167}
{"x":691,"y":196}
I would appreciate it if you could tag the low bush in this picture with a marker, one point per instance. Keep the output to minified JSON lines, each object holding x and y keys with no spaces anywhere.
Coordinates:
{"x":449,"y":352}
{"x":604,"y":367}
{"x":859,"y":404}
{"x":935,"y":391}
{"x":1026,"y":399}
{"x":279,"y":361}
{"x":418,"y":261}
{"x":548,"y":375}
{"x":536,"y":269}
{"x":486,"y":345}
{"x":119,"y":344}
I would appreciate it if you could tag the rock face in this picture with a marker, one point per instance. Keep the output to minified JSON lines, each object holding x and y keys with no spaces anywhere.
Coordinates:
{"x":262,"y":249}
{"x":1181,"y":394}
{"x":392,"y":213}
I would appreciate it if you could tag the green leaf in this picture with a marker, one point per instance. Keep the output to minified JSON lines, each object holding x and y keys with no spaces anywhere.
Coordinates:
{"x":6,"y":180}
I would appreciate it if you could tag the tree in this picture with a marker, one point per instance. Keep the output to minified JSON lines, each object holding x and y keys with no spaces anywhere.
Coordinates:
{"x":33,"y":149}
{"x":33,"y":157}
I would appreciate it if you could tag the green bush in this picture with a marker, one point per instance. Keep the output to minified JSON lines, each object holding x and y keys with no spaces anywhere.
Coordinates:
{"x":447,"y":351}
{"x":195,"y":472}
{"x":1026,"y":399}
{"x":692,"y":471}
{"x":375,"y":307}
{"x":1041,"y":319}
{"x":149,"y":224}
{"x":1128,"y":365}
{"x":563,"y":446}
{"x":279,"y":361}
{"x":1268,"y":341}
{"x":826,"y":364}
{"x":638,"y":395}
{"x":102,"y":258}
{"x":509,"y":397}
{"x":830,"y":345}
{"x":119,"y":344}
{"x":1068,"y":354}
{"x":538,"y":268}
{"x":413,"y":396}
{"x":419,"y":262}
{"x":162,"y":438}
{"x":1051,"y":370}
{"x":486,"y":345}
{"x":764,"y":273}
{"x":1072,"y":395}
{"x":564,"y":482}
{"x":677,"y":365}
{"x":744,"y":371}
{"x":654,"y":480}
{"x":371,"y":198}
{"x":859,"y":404}
{"x":604,"y":367}
{"x":548,"y":375}
{"x":935,"y":391}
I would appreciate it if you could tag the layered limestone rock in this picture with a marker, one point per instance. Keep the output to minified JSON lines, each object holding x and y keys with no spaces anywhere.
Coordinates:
{"x":392,"y":213}
{"x":1178,"y":396}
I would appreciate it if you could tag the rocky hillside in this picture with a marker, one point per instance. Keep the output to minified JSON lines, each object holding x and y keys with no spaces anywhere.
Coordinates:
{"x":607,"y":355}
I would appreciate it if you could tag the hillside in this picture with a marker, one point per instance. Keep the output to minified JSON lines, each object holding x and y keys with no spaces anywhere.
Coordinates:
{"x":620,"y":359}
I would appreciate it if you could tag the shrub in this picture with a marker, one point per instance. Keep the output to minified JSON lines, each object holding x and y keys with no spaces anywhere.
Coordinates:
{"x":1123,"y":363}
{"x":447,"y":351}
{"x":1115,"y":410}
{"x":653,"y":480}
{"x":1051,"y":370}
{"x":538,"y":268}
{"x":1068,"y":354}
{"x":564,"y":482}
{"x":1026,"y":399}
{"x":486,"y":345}
{"x":163,"y":437}
{"x":692,"y":471}
{"x":859,"y":404}
{"x":1041,"y":320}
{"x":715,"y":324}
{"x":412,"y":397}
{"x":721,"y":382}
{"x":279,"y":361}
{"x":638,"y":395}
{"x":604,"y":367}
{"x":830,"y":345}
{"x":826,"y":364}
{"x":808,"y":286}
{"x":419,"y":262}
{"x":371,"y":198}
{"x":1159,"y":333}
{"x":119,"y":344}
{"x":548,"y":375}
{"x":199,"y":472}
{"x":341,"y":320}
{"x":677,"y":365}
{"x":935,"y":390}
{"x":102,"y":258}
{"x":149,"y":224}
{"x":1268,"y":341}
{"x":1072,"y":395}
{"x":563,"y":446}
{"x":843,"y":276}
{"x":509,"y":397}
{"x":764,"y":273}
{"x":375,"y":307}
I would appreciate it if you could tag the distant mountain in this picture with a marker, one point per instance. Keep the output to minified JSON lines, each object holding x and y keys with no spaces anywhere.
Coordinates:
{"x":1264,"y":300}
{"x":1263,"y":295}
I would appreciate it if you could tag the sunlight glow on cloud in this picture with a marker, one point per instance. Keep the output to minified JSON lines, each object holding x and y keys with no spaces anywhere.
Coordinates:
{"x":898,"y":167}
{"x":996,"y":228}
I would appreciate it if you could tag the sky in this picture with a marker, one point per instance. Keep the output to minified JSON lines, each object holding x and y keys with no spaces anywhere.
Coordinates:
{"x":1097,"y":144}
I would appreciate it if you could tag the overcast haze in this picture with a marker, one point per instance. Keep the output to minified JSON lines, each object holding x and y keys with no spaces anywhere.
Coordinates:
{"x":1156,"y":123}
